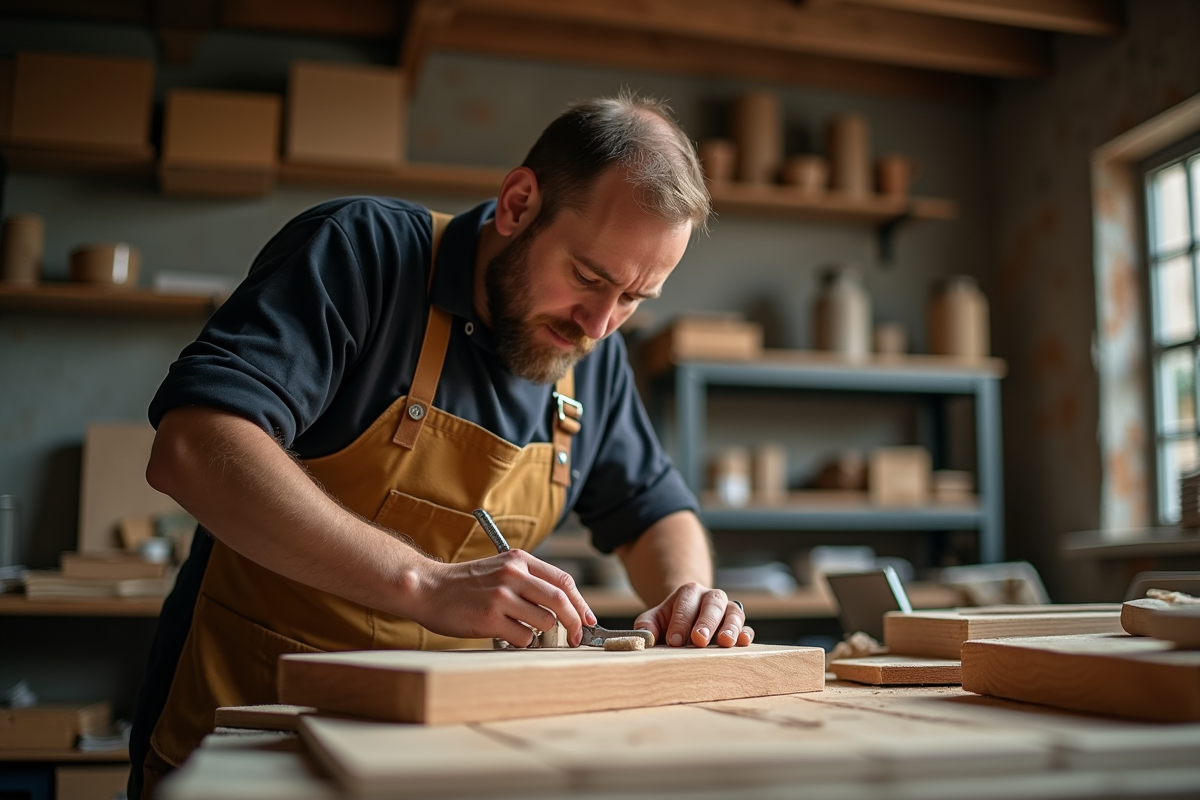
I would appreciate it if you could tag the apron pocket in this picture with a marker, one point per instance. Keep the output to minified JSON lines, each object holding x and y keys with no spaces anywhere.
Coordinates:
{"x":447,"y":534}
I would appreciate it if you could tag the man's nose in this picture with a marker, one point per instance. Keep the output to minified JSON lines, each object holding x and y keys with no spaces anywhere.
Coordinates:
{"x":595,"y":318}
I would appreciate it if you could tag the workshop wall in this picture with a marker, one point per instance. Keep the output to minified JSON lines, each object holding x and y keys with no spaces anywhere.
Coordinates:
{"x":1044,"y":302}
{"x":61,"y":372}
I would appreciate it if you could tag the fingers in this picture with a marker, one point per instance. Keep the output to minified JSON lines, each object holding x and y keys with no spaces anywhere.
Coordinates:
{"x":684,"y":610}
{"x":713,"y":604}
{"x":655,"y":620}
{"x":733,"y":627}
{"x":556,"y":590}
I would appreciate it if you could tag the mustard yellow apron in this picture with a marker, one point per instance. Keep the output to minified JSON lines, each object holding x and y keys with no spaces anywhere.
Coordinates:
{"x":416,"y":470}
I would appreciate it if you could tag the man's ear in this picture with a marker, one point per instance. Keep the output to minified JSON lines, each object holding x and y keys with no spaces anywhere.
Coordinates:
{"x":519,"y":202}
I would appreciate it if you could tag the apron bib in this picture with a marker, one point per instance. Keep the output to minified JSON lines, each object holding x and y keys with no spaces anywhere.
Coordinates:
{"x":416,"y":470}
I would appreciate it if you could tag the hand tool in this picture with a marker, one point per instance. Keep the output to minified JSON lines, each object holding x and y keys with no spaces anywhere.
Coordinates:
{"x":593,"y":635}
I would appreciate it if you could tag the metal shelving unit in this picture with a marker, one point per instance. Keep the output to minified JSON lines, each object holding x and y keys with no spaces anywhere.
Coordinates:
{"x":931,"y":378}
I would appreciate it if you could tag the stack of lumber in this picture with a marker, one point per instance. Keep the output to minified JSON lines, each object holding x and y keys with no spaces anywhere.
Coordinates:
{"x":99,"y":576}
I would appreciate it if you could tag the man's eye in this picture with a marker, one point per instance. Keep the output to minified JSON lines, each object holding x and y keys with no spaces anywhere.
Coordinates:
{"x":583,"y":280}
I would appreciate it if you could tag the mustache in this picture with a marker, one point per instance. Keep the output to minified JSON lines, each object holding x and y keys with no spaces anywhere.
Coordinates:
{"x":567,"y":330}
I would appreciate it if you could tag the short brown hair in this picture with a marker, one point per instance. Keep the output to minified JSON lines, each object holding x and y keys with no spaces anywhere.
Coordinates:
{"x":631,"y":131}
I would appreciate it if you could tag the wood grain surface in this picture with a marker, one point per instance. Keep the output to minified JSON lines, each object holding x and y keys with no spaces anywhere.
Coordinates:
{"x":940,"y":634}
{"x":1114,"y":674}
{"x":890,"y":670}
{"x":261,"y":718}
{"x":474,"y":686}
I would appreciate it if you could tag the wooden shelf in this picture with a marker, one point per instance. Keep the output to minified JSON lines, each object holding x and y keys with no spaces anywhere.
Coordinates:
{"x":760,"y":605}
{"x":67,"y":298}
{"x":1136,"y":543}
{"x":18,"y":605}
{"x":45,"y":754}
{"x":826,"y":206}
{"x":21,"y":158}
{"x":480,"y":181}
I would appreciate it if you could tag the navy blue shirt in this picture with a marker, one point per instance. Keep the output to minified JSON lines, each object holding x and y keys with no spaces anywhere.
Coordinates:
{"x":324,"y":334}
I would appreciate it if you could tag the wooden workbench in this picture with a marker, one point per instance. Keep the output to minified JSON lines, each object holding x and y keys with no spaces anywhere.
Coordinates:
{"x":847,"y":742}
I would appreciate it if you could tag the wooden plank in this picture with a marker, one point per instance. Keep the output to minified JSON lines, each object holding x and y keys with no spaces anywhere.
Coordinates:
{"x":940,"y":634}
{"x":479,"y":181}
{"x":844,"y":31}
{"x":446,"y":687}
{"x":276,"y":717}
{"x":68,"y":298}
{"x":19,"y":606}
{"x":367,"y":19}
{"x":1085,"y":17}
{"x":248,"y":766}
{"x":1117,"y":674}
{"x":552,"y":40}
{"x":416,"y":761}
{"x":892,"y":670}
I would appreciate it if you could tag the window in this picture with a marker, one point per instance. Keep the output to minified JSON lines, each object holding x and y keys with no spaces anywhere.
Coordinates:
{"x":1173,"y":241}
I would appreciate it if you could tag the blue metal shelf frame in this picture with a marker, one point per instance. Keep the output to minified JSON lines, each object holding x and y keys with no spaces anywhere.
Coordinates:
{"x":692,"y":379}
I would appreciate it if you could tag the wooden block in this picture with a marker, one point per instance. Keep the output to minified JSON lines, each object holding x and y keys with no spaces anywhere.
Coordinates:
{"x":113,"y":565}
{"x":713,"y":338}
{"x":417,"y":761}
{"x":899,"y":476}
{"x":51,"y":727}
{"x":1180,"y":626}
{"x":345,"y":114}
{"x":90,"y":783}
{"x":446,"y":687}
{"x":940,"y":634}
{"x":892,"y":670}
{"x":1137,"y":615}
{"x":113,"y":486}
{"x":82,"y":102}
{"x":1117,"y":674}
{"x":261,"y":718}
{"x":249,"y":766}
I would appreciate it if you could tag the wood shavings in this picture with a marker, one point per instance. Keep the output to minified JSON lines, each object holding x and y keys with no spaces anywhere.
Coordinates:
{"x":1174,"y":598}
{"x":856,"y":645}
{"x":625,"y":643}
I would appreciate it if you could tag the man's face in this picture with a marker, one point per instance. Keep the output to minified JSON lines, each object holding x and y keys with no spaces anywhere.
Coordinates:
{"x":554,"y":292}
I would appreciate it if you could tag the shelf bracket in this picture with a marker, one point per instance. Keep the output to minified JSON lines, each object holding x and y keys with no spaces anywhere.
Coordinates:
{"x":887,"y":233}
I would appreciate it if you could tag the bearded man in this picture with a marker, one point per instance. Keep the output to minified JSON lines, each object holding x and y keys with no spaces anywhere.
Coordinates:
{"x":382,"y":372}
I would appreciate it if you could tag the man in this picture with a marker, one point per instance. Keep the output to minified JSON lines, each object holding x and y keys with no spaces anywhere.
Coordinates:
{"x":381,"y":373}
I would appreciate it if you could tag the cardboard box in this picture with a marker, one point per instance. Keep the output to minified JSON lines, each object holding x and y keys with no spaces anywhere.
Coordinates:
{"x":51,"y":727}
{"x":900,"y":476}
{"x":345,"y":115}
{"x":703,"y":339}
{"x":220,"y":143}
{"x":90,"y":783}
{"x":87,"y":103}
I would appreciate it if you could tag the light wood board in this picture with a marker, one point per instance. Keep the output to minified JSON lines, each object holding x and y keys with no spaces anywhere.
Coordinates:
{"x":474,"y":686}
{"x":1137,"y":615}
{"x":1117,"y":674}
{"x":940,"y":634}
{"x":261,"y":718}
{"x":890,"y":670}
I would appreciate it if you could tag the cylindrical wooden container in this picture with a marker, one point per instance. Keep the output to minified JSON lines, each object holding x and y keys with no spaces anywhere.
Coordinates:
{"x":758,"y":132}
{"x":850,"y":154}
{"x":808,"y":173}
{"x":718,"y":157}
{"x":896,"y":172}
{"x":108,"y":263}
{"x":843,"y":313}
{"x":769,"y":477}
{"x":958,"y":319}
{"x":22,"y":246}
{"x":731,"y":476}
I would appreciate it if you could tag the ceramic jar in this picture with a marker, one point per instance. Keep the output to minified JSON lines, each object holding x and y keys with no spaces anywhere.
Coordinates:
{"x":758,"y":132}
{"x":850,"y":154}
{"x":843,"y":313}
{"x":958,"y":319}
{"x":22,"y":245}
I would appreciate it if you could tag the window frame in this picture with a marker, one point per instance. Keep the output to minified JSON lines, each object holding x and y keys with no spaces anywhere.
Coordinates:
{"x":1186,"y":152}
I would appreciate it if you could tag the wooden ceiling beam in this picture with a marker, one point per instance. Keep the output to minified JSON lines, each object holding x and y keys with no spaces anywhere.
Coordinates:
{"x":548,"y":40}
{"x":839,"y":30}
{"x":1086,"y":17}
{"x":361,"y":19}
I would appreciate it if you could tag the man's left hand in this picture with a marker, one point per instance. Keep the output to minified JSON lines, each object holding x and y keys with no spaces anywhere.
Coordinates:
{"x":699,"y":615}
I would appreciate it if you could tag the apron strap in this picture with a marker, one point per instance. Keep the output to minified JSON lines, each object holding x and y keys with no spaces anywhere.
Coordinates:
{"x":433,"y":355}
{"x":567,"y":421}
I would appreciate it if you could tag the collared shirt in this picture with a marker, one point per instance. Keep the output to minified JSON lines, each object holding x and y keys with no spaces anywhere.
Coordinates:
{"x":324,"y":334}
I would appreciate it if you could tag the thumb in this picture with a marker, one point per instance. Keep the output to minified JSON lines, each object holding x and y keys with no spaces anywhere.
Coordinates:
{"x":646,"y":621}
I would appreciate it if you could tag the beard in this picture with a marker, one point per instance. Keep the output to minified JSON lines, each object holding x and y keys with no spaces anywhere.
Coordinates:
{"x":510,"y":301}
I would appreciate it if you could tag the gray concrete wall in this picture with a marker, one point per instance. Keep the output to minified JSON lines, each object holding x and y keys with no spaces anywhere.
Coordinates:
{"x":1045,"y":297}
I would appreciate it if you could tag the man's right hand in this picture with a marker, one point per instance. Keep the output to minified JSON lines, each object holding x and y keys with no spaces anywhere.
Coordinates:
{"x":492,"y":596}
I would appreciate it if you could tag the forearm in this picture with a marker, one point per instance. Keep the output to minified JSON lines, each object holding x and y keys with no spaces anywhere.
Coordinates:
{"x":671,"y":553}
{"x":246,"y":490}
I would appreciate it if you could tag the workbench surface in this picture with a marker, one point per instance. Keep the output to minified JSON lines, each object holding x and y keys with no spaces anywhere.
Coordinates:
{"x":849,"y":741}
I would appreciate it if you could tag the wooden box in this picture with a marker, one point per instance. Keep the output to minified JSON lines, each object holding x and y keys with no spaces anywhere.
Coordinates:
{"x":50,"y":727}
{"x":703,"y":339}
{"x":345,"y":115}
{"x":899,"y":477}
{"x":220,"y":143}
{"x":90,"y":783}
{"x":70,"y":102}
